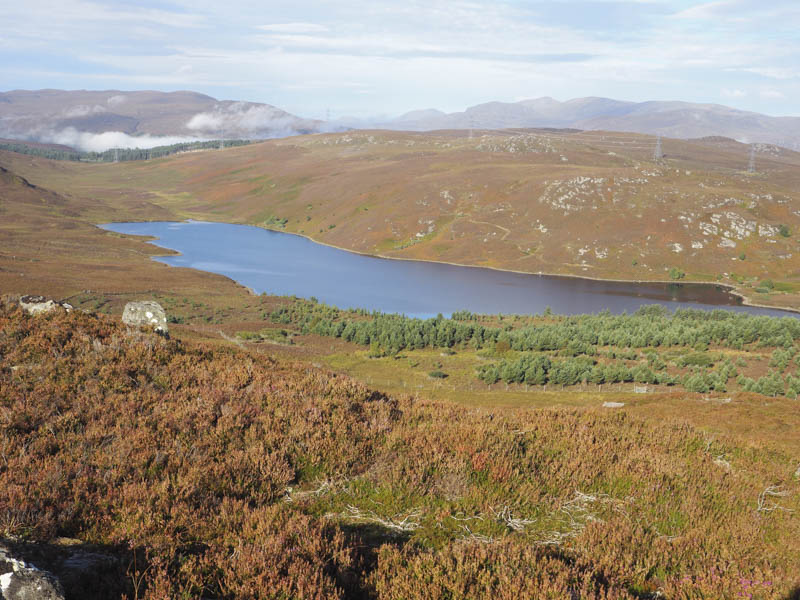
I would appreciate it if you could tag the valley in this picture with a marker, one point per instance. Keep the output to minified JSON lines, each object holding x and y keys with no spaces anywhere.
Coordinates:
{"x":564,"y":474}
{"x":400,"y":300}
{"x":588,"y":204}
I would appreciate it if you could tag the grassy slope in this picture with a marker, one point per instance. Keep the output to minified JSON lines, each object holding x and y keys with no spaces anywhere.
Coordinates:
{"x":290,"y":479}
{"x":49,"y":246}
{"x":590,"y":204}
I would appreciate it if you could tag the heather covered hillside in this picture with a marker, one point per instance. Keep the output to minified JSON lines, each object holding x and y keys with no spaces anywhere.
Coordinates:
{"x":224,"y":473}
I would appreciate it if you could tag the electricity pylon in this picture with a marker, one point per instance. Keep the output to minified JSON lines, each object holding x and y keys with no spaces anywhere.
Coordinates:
{"x":658,"y":153}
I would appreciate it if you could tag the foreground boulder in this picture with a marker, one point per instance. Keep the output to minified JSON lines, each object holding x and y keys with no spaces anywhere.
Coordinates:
{"x":146,"y":313}
{"x":22,"y":581}
{"x":35,"y":305}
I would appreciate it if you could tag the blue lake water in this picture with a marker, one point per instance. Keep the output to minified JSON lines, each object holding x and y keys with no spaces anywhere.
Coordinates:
{"x":285,"y":264}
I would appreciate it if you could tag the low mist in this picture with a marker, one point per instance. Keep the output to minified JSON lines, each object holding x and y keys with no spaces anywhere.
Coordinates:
{"x":100,"y":142}
{"x":242,"y":119}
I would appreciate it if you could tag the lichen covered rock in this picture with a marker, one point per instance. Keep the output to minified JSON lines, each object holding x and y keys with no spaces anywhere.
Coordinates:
{"x":146,"y":314}
{"x":35,"y":305}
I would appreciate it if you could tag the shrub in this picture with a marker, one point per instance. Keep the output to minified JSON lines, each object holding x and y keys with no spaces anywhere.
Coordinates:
{"x":675,"y":273}
{"x":698,"y":359}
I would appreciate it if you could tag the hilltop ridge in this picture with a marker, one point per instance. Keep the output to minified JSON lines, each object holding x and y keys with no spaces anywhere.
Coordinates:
{"x":72,"y":117}
{"x":668,"y":118}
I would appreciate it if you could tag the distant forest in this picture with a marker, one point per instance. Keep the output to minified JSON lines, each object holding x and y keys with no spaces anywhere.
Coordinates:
{"x":117,"y":154}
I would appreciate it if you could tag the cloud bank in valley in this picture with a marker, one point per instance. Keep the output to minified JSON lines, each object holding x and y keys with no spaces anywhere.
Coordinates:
{"x":83,"y":110}
{"x":96,"y":142}
{"x":100,"y":142}
{"x":242,"y":119}
{"x":100,"y":120}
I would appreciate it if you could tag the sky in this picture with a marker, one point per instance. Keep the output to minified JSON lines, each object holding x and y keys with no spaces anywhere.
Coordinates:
{"x":371,"y":58}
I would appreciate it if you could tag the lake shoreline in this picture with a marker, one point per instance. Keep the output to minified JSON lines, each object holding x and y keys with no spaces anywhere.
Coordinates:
{"x":732,"y":290}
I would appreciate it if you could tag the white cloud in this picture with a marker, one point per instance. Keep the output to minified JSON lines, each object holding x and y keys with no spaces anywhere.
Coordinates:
{"x":243,"y":119}
{"x":444,"y":53}
{"x":66,"y":13}
{"x":82,"y":110}
{"x":709,"y":10}
{"x":735,"y":93}
{"x":294,"y":28}
{"x":772,"y":94}
{"x":100,"y":142}
{"x":774,"y":72}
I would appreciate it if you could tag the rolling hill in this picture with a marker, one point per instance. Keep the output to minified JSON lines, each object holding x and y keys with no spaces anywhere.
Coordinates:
{"x":59,"y":116}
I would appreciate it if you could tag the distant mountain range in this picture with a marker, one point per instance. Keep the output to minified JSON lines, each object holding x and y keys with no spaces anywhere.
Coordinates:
{"x":671,"y":119}
{"x":78,"y":118}
{"x":99,"y":120}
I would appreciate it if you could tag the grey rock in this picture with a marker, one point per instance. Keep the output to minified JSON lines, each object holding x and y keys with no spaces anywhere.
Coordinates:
{"x":80,"y":570}
{"x":36,"y":305}
{"x":22,"y":581}
{"x":146,"y":313}
{"x":83,"y":571}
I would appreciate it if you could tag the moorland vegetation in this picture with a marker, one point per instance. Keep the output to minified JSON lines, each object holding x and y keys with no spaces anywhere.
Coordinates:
{"x":222,"y":473}
{"x":211,"y":470}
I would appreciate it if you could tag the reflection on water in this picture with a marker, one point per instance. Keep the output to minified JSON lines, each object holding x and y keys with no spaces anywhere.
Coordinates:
{"x":285,"y":264}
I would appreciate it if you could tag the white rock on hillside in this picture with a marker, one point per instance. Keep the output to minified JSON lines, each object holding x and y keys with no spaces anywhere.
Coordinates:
{"x":146,"y":313}
{"x":36,"y":305}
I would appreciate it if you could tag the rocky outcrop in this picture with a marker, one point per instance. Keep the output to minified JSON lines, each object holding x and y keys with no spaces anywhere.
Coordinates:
{"x":146,"y":313}
{"x":22,"y":581}
{"x":36,"y":305}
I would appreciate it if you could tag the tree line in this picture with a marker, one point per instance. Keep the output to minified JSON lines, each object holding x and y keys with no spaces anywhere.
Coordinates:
{"x":117,"y":154}
{"x":578,"y":349}
{"x":649,"y":327}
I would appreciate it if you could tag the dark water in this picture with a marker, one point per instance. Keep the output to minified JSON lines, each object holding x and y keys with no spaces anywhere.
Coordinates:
{"x":285,"y":264}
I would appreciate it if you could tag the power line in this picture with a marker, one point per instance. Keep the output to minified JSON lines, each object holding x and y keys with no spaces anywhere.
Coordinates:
{"x":751,"y":165}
